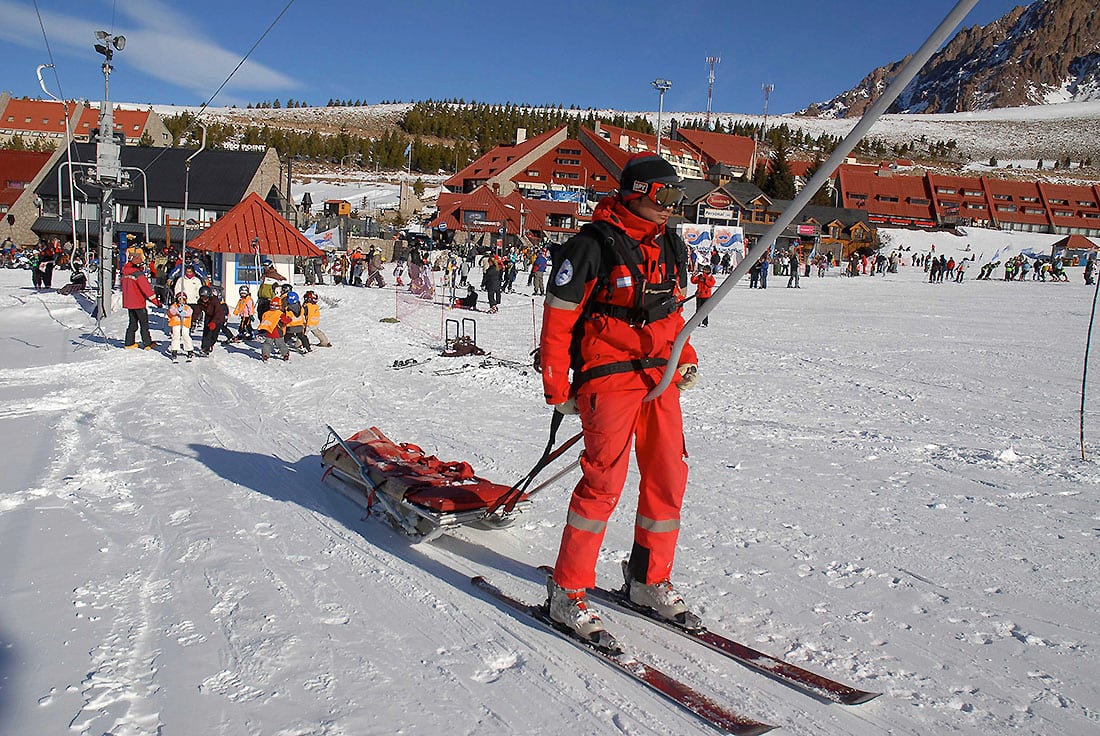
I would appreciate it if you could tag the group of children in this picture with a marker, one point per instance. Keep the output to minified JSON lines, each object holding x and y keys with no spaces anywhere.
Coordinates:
{"x":285,"y":322}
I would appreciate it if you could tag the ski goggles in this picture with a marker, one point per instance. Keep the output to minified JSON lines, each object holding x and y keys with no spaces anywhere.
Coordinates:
{"x":659,"y":193}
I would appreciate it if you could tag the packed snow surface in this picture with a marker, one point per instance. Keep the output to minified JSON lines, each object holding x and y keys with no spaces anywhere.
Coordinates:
{"x":886,"y":487}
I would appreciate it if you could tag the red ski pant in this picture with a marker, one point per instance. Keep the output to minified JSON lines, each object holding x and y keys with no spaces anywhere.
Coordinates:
{"x":611,"y":421}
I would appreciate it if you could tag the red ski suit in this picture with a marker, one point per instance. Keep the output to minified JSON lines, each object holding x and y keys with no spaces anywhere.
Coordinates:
{"x":592,"y":324}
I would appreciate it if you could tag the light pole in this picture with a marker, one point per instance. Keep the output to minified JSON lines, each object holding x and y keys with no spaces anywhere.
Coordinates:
{"x":661,"y":85}
{"x":108,"y":173}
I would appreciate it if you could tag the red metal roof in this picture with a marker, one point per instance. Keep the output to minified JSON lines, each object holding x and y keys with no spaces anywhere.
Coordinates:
{"x":721,"y":148}
{"x":17,"y":171}
{"x":254,"y":218}
{"x":36,"y":116}
{"x":130,"y":123}
{"x":886,"y":198}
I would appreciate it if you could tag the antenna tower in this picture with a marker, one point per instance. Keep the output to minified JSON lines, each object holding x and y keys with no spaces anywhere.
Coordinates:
{"x":711,"y":60}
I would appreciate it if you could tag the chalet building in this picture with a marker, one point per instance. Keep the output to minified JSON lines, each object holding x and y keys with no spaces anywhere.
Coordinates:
{"x":723,"y":156}
{"x":935,"y":200}
{"x":484,"y":212}
{"x":838,"y":232}
{"x":38,"y":121}
{"x":20,"y":173}
{"x":153,"y":205}
{"x":243,"y":238}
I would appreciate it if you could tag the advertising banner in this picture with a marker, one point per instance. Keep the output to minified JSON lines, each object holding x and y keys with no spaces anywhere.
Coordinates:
{"x":730,"y":239}
{"x":698,"y":239}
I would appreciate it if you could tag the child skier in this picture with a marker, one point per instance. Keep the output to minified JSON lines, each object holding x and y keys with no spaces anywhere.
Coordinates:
{"x":245,"y":309}
{"x":179,"y":322}
{"x":312,"y":311}
{"x":296,"y":328}
{"x":272,"y":326}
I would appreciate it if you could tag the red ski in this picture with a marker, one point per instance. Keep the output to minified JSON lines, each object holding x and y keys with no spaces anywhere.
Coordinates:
{"x":683,"y":695}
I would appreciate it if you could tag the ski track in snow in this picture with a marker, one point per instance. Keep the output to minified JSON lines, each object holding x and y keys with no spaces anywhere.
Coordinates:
{"x":889,"y":495}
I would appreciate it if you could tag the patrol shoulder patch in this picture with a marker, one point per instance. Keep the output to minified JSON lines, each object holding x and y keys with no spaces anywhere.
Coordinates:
{"x":565,"y":273}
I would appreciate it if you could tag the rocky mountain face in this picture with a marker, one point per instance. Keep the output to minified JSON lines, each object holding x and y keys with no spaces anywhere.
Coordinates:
{"x":1042,"y":53}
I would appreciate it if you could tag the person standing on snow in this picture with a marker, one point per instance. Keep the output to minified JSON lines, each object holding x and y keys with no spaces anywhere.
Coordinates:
{"x":617,"y":287}
{"x":136,"y":292}
{"x":704,"y":289}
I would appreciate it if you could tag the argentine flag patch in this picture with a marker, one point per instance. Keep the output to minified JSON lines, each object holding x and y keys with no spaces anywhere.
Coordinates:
{"x":565,"y":273}
{"x":623,"y":282}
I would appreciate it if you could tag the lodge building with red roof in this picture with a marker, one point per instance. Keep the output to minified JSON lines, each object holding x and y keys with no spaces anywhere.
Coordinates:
{"x":937,"y":200}
{"x":37,"y":121}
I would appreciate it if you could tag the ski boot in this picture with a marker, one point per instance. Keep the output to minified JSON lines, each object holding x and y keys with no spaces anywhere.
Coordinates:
{"x":569,"y":610}
{"x":660,"y":600}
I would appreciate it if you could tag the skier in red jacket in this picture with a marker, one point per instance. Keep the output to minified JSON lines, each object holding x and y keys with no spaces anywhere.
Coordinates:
{"x":136,"y":292}
{"x":612,"y":312}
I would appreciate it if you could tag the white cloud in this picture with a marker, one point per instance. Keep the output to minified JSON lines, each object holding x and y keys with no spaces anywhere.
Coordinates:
{"x":160,"y":42}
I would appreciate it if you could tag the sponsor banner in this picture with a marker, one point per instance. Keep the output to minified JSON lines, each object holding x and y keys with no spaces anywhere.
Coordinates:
{"x":697,"y":237}
{"x":730,"y":239}
{"x":327,"y":240}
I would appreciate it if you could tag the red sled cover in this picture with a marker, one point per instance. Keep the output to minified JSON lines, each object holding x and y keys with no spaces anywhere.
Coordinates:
{"x":403,"y":470}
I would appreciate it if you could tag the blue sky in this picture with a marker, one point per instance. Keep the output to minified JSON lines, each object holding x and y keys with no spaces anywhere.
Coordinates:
{"x":598,"y":54}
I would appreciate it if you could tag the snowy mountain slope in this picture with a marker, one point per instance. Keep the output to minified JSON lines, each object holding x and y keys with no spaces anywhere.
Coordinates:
{"x":885,"y":487}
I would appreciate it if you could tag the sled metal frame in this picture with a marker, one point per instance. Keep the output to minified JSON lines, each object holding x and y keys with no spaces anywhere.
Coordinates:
{"x":459,"y":331}
{"x":422,"y":524}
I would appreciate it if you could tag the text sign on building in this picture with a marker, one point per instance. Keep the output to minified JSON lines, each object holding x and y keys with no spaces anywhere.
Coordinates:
{"x":807,"y":230}
{"x":719,"y":201}
{"x":717,"y":214}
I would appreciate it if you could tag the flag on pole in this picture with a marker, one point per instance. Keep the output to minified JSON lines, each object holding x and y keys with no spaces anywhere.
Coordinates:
{"x":408,"y":149}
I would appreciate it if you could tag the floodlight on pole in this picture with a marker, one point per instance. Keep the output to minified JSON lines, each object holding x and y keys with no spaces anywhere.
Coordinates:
{"x":662,"y":86}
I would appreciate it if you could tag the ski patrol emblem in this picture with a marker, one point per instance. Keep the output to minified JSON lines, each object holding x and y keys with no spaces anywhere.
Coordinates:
{"x":565,"y":274}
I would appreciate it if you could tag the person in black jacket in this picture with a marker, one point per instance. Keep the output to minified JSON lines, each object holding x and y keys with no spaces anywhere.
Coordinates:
{"x":214,"y":314}
{"x":491,"y":281}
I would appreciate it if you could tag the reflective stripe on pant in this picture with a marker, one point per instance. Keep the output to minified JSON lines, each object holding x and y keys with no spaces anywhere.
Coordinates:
{"x":612,"y":421}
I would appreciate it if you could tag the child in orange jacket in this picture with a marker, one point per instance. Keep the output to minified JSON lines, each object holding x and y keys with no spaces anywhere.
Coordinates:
{"x":273,"y":327}
{"x":179,"y":322}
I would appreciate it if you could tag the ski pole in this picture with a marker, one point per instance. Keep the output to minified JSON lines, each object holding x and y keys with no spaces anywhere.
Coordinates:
{"x":905,"y":76}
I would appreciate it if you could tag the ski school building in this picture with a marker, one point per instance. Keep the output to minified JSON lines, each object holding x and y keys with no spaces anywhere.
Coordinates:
{"x":934,"y":200}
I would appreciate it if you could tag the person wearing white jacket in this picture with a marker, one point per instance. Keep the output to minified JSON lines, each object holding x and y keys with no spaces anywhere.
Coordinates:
{"x":189,"y":284}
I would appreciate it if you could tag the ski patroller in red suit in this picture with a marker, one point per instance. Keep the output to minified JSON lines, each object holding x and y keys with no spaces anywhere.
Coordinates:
{"x":611,"y":315}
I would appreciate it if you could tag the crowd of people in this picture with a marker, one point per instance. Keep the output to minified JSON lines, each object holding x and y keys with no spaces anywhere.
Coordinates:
{"x":285,"y":320}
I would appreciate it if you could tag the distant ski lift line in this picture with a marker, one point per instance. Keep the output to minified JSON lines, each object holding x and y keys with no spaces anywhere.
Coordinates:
{"x":939,"y":36}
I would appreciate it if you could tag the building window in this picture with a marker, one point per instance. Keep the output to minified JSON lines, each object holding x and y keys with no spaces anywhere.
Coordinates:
{"x":948,"y":203}
{"x":972,"y":193}
{"x":886,"y":198}
{"x":1029,"y":199}
{"x":1058,"y":201}
{"x":1085,"y":204}
{"x":1063,"y":213}
{"x":857,"y":197}
{"x":247,"y":268}
{"x":570,"y":151}
{"x":532,"y":172}
{"x":1005,"y":197}
{"x":945,"y":190}
{"x":566,"y":175}
{"x":1006,"y":208}
{"x":567,"y":161}
{"x":918,"y":200}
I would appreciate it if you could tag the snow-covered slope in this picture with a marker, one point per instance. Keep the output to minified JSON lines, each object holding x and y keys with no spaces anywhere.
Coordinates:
{"x":886,"y":486}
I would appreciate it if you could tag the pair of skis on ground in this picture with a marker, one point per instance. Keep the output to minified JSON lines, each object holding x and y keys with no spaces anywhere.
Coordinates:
{"x":715,"y":714}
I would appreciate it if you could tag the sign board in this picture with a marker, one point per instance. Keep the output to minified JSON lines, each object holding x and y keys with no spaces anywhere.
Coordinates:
{"x":807,"y":230}
{"x":719,"y":200}
{"x":717,"y":214}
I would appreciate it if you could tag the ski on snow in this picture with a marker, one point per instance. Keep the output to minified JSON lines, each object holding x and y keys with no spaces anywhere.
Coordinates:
{"x":778,"y":669}
{"x":678,"y":692}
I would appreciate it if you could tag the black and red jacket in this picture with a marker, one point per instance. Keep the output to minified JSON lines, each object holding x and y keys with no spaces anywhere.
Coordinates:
{"x":612,"y":306}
